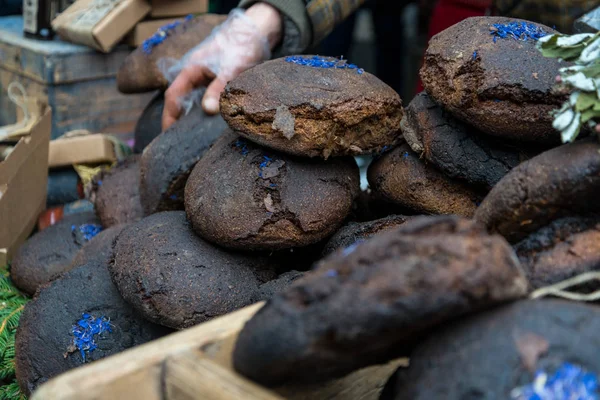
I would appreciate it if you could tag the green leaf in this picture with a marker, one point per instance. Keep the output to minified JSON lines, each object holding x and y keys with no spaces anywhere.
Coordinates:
{"x":590,"y":115}
{"x":585,"y":101}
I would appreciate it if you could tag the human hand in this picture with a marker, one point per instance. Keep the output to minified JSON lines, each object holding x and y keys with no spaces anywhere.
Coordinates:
{"x":244,"y":40}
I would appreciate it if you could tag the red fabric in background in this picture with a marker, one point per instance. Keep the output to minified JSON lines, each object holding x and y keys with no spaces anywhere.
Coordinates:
{"x":449,"y":12}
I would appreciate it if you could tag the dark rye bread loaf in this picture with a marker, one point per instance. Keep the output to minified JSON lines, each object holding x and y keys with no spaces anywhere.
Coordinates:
{"x":355,"y":232}
{"x":503,"y":87}
{"x":564,"y":248}
{"x":45,"y":341}
{"x":149,"y":125}
{"x":139,"y":72}
{"x":401,"y":177}
{"x":49,"y":253}
{"x":174,"y":278}
{"x":557,"y":183}
{"x":370,"y":304}
{"x":246,"y":197}
{"x":168,"y":161}
{"x":311,"y":111}
{"x":116,"y":193}
{"x":456,"y":149}
{"x":489,"y":355}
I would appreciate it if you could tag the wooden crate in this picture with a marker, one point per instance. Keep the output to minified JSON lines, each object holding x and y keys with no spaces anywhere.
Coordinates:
{"x":77,"y":82}
{"x":196,"y":364}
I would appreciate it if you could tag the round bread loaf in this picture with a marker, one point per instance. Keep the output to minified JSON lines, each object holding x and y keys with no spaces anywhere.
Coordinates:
{"x":140,"y":71}
{"x":50,"y":252}
{"x":116,"y":193}
{"x":49,"y":338}
{"x":168,"y":161}
{"x":402,"y":178}
{"x":557,"y":183}
{"x":456,"y":149}
{"x":149,"y":125}
{"x":501,"y":85}
{"x":565,"y":248}
{"x":297,"y":106}
{"x":525,"y":350}
{"x":279,"y":284}
{"x":174,"y":278}
{"x":370,"y":303}
{"x":356,"y":232}
{"x":246,"y":197}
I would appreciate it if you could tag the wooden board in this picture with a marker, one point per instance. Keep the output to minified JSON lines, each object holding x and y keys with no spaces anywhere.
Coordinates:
{"x":196,"y":364}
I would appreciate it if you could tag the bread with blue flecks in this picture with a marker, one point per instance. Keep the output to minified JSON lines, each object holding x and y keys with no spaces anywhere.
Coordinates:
{"x":140,"y":72}
{"x":488,"y":72}
{"x":531,"y":349}
{"x":313,"y":106}
{"x":78,"y":318}
{"x":50,"y":252}
{"x":243,"y":196}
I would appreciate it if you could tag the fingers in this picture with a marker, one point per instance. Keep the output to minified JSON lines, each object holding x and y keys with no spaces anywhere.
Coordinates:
{"x":190,"y":77}
{"x":210,"y":102}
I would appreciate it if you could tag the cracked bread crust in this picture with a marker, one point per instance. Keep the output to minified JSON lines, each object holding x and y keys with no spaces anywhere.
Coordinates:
{"x":140,"y":73}
{"x":313,"y":112}
{"x":558,"y":183}
{"x":503,"y":88}
{"x":564,"y":248}
{"x":369,"y":305}
{"x":456,"y":149}
{"x":243,"y":196}
{"x":401,"y":177}
{"x":176,"y":279}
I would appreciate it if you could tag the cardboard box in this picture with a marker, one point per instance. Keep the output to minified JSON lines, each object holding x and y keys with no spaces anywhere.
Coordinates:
{"x":23,"y":180}
{"x":89,"y":149}
{"x":145,"y":29}
{"x":177,"y":8}
{"x":100,"y":24}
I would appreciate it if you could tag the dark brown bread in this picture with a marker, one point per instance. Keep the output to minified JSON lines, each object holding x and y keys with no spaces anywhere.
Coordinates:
{"x":503,"y":87}
{"x":49,"y":253}
{"x":174,"y":278}
{"x":557,"y":183}
{"x":401,"y":177}
{"x":356,"y":232}
{"x":139,"y":72}
{"x":246,"y":197}
{"x":44,"y":340}
{"x":370,"y":303}
{"x":488,"y":355}
{"x":561,"y":250}
{"x":149,"y":125}
{"x":456,"y":149}
{"x":168,"y":161}
{"x":116,"y":193}
{"x":313,"y":112}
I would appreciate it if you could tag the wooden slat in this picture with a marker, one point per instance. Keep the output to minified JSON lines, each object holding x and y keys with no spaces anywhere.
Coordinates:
{"x":192,"y":376}
{"x":53,"y":62}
